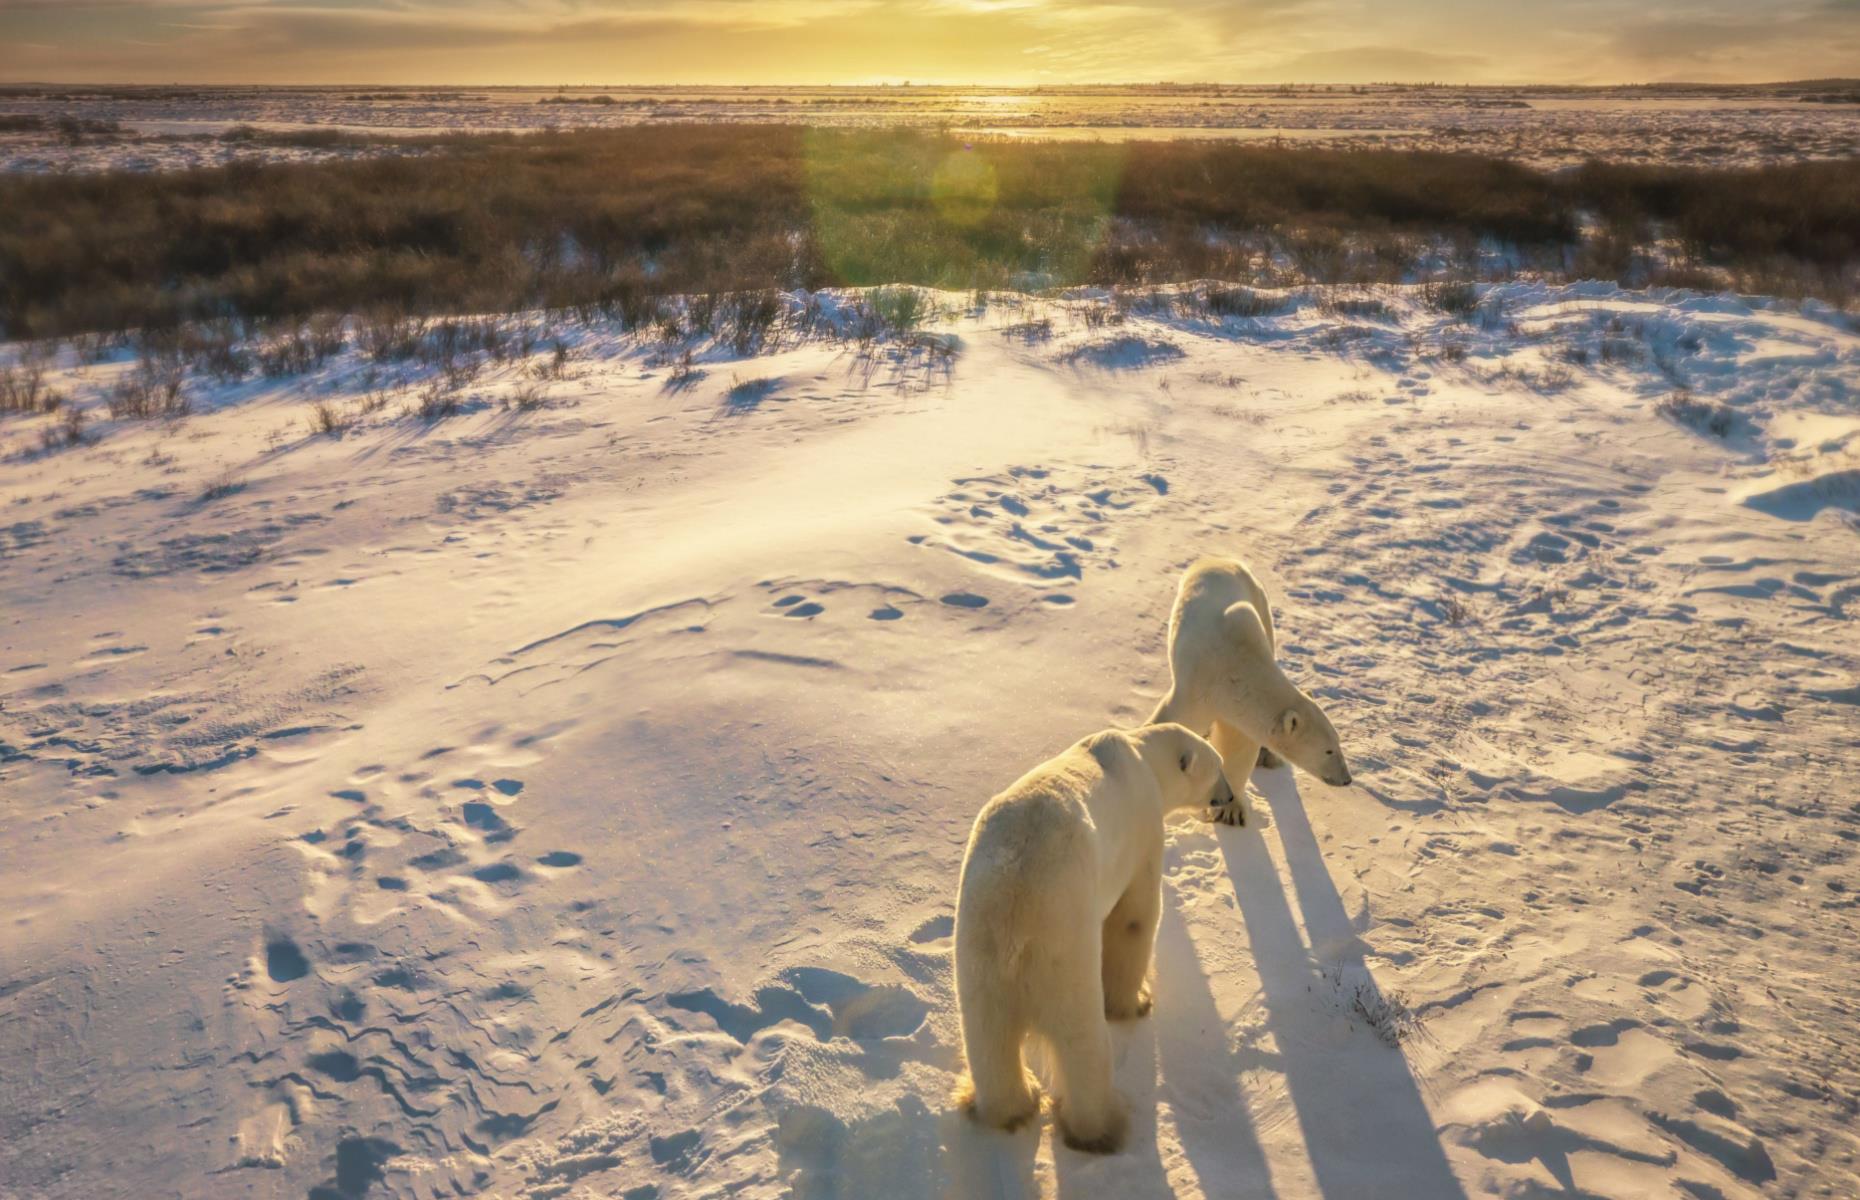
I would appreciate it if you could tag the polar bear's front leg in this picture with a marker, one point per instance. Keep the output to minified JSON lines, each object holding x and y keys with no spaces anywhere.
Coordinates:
{"x":1129,"y":940}
{"x":1238,"y":755}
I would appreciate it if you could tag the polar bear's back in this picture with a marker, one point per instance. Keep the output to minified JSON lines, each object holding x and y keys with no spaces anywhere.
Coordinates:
{"x":1039,"y":829}
{"x":1043,"y":816}
{"x":1208,"y":589}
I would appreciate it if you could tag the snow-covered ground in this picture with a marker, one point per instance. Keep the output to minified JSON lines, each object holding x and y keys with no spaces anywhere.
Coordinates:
{"x":567,"y":800}
{"x":171,"y":128}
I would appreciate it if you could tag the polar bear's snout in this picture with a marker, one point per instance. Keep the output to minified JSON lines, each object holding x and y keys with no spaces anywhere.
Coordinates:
{"x":1223,"y":792}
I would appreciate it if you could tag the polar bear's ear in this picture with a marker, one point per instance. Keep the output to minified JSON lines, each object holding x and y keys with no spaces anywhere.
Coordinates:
{"x":1110,"y":747}
{"x":1243,"y":627}
{"x":1289,"y":722}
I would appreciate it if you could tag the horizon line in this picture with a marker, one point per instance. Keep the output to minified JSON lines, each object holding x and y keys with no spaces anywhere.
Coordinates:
{"x":914,"y":85}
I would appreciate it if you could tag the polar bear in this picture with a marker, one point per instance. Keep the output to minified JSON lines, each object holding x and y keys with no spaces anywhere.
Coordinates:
{"x":1226,"y":684}
{"x":1056,"y":917}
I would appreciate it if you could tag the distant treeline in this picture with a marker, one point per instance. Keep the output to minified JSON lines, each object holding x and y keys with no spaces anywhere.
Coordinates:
{"x":614,"y":218}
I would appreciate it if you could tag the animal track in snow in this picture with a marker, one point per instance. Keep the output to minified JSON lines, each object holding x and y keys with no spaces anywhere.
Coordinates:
{"x":829,"y":1003}
{"x":1045,"y":526}
{"x":570,"y":652}
{"x":805,"y":600}
{"x":935,"y":929}
{"x":177,"y":731}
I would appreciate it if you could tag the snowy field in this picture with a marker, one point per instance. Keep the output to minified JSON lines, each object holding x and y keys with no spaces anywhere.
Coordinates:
{"x":564,"y":797}
{"x":169,"y":128}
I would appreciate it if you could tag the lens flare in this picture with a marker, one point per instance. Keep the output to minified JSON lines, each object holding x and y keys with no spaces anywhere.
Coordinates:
{"x":964,"y":188}
{"x":934,"y":210}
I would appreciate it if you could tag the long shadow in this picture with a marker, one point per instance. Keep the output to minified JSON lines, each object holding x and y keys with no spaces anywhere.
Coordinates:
{"x":1178,"y":1054}
{"x":744,"y":398}
{"x":1136,"y":1172}
{"x":910,"y":1152}
{"x":985,"y":1164}
{"x":1367,"y":1131}
{"x":1199,"y":1077}
{"x":1211,"y":1116}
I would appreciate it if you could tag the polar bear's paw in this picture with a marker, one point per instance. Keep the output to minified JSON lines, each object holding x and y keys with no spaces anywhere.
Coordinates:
{"x":1010,"y":1115}
{"x":1227,"y":814}
{"x":1129,"y":1010}
{"x":1107,"y":1137}
{"x":1268,"y":760}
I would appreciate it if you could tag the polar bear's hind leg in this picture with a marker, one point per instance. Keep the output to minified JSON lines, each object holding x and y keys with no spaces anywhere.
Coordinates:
{"x":998,"y":1091}
{"x":1072,"y":1018}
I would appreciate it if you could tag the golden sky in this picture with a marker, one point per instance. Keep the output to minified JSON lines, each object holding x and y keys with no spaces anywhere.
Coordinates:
{"x":926,"y":41}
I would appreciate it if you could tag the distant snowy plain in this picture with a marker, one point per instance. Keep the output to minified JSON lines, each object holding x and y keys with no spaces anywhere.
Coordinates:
{"x":169,"y":128}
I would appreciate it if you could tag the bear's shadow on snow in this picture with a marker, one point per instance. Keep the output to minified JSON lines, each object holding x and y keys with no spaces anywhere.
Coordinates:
{"x":1364,"y":1122}
{"x":909,"y":1152}
{"x":1178,"y":1054}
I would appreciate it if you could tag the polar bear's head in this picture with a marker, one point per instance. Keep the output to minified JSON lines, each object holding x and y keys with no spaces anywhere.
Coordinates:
{"x":1303,"y":736}
{"x":1188,"y":770}
{"x":1257,"y":699}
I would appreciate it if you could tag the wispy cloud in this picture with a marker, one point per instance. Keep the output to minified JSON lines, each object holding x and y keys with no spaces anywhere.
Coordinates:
{"x":1360,"y":64}
{"x":540,"y":41}
{"x":1666,"y":41}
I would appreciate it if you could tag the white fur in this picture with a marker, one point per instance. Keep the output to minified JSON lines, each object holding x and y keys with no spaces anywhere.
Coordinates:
{"x":1056,"y":918}
{"x":1226,"y":684}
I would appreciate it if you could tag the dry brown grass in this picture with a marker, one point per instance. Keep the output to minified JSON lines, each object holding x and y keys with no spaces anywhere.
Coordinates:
{"x":1705,"y":416}
{"x":23,"y":388}
{"x":301,"y":346}
{"x":611,"y":221}
{"x":226,"y":483}
{"x":437,"y":401}
{"x":66,"y":432}
{"x":328,"y":420}
{"x":152,"y":390}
